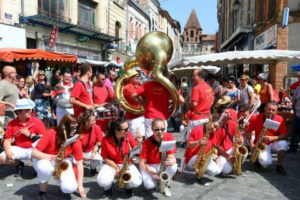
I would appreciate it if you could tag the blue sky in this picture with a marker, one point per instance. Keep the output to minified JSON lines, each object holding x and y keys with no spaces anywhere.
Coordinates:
{"x":206,"y":11}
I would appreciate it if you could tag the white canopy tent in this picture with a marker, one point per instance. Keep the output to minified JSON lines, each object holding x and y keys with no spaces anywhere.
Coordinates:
{"x":237,"y":57}
{"x":91,"y":62}
{"x":182,"y":71}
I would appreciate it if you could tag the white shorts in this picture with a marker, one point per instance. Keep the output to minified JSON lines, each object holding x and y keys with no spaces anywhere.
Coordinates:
{"x":265,"y":157}
{"x":19,"y":153}
{"x":137,"y":123}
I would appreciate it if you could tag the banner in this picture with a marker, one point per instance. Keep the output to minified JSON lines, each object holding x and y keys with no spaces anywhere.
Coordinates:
{"x":53,"y":36}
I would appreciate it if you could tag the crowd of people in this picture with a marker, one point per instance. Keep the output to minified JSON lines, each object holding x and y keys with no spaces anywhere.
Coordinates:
{"x":74,"y":121}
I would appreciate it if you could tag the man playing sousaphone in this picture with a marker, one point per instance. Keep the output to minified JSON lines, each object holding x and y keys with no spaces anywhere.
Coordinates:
{"x":273,"y":140}
{"x":103,"y":97}
{"x":20,"y":135}
{"x":135,"y":121}
{"x":151,"y":158}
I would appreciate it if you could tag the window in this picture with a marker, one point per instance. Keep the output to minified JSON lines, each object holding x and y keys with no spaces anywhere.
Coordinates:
{"x":55,"y":8}
{"x":117,"y":29}
{"x":192,"y":34}
{"x":119,"y":2}
{"x":272,"y":9}
{"x":86,"y":14}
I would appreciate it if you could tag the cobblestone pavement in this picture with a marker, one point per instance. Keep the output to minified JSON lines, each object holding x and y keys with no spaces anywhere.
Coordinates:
{"x":251,"y":185}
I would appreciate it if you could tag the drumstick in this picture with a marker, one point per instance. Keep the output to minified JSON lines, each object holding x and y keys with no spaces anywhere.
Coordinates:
{"x":23,"y":129}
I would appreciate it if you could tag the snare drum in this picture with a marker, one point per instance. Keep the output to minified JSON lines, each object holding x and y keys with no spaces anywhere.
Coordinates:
{"x":110,"y":112}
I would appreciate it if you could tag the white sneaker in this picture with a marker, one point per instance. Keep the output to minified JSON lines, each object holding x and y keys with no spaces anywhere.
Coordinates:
{"x":167,"y":192}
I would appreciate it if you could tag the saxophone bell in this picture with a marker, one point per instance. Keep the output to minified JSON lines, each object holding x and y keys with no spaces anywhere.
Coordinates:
{"x":126,"y":177}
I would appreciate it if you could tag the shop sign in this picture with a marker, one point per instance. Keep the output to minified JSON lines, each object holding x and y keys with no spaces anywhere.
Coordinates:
{"x":82,"y":38}
{"x":53,"y":36}
{"x":266,"y":39}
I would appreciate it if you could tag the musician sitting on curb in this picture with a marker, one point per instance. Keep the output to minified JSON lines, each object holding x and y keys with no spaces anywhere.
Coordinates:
{"x":223,"y":139}
{"x":90,"y":138}
{"x":24,"y":130}
{"x":275,"y":140}
{"x":114,"y":150}
{"x":49,"y":155}
{"x":150,"y":157}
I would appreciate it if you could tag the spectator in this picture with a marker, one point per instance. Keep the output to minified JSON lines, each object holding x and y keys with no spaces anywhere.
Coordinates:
{"x":233,"y":92}
{"x":296,"y":121}
{"x":246,"y":91}
{"x":257,"y":86}
{"x":266,"y":91}
{"x":23,"y":91}
{"x":110,"y":80}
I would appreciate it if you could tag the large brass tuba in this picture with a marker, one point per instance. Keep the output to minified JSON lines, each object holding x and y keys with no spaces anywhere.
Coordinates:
{"x":153,"y":52}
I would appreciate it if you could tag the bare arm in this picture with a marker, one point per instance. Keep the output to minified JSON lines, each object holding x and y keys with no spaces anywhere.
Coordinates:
{"x":80,"y":179}
{"x":270,"y":91}
{"x":74,"y":101}
{"x":7,"y":148}
{"x":41,"y":155}
{"x":7,"y":103}
{"x":112,"y":164}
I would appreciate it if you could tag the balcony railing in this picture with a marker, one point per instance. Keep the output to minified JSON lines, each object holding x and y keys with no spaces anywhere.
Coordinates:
{"x":54,"y":15}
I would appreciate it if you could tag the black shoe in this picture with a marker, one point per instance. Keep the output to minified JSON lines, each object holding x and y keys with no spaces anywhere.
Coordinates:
{"x":19,"y":169}
{"x":93,"y":172}
{"x":128,"y":192}
{"x":108,"y":192}
{"x":42,"y":196}
{"x":280,"y":170}
{"x":258,"y":166}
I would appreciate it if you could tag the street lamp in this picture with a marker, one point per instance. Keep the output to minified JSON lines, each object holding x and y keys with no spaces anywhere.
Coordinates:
{"x":236,"y":5}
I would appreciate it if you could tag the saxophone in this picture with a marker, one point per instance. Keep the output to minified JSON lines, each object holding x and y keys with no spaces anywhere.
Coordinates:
{"x":239,"y":152}
{"x":61,"y":165}
{"x":260,"y":146}
{"x":125,"y":175}
{"x":163,"y":174}
{"x":202,"y":158}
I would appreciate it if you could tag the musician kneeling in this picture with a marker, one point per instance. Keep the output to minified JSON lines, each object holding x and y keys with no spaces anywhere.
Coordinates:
{"x":115,"y":147}
{"x":90,"y":138}
{"x":195,"y":142}
{"x":274,"y":139}
{"x":25,"y":129}
{"x":150,"y":158}
{"x":47,"y":158}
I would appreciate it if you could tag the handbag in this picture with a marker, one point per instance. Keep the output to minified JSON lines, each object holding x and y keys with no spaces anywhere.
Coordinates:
{"x":2,"y":109}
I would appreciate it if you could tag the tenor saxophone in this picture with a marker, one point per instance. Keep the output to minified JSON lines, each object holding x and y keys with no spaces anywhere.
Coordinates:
{"x":202,"y":158}
{"x":239,"y":152}
{"x":125,"y":175}
{"x":60,"y":164}
{"x":260,"y":146}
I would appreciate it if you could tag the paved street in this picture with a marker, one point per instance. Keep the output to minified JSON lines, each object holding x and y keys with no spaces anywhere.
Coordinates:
{"x":251,"y":185}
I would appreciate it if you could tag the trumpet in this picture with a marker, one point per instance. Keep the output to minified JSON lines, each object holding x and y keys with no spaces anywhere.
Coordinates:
{"x":247,"y":119}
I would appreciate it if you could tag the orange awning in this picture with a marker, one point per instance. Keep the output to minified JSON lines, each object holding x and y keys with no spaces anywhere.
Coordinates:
{"x":16,"y":54}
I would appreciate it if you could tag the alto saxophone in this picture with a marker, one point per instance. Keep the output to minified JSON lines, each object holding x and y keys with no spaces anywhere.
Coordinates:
{"x":239,"y":152}
{"x":202,"y":158}
{"x":125,"y":175}
{"x":163,"y":174}
{"x":61,"y":165}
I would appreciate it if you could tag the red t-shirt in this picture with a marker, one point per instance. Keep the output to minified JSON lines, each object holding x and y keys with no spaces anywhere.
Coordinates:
{"x":220,"y":138}
{"x":128,"y":91}
{"x":20,"y":139}
{"x":257,"y":126}
{"x":48,"y":145}
{"x":80,"y":93}
{"x":109,"y":148}
{"x":196,"y":135}
{"x":295,"y":85}
{"x":150,"y":151}
{"x":203,"y":94}
{"x":100,"y":95}
{"x":157,"y":100}
{"x":96,"y":136}
{"x":54,"y":93}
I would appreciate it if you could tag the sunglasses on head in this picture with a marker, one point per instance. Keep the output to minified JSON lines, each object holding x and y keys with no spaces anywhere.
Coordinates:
{"x":159,"y":129}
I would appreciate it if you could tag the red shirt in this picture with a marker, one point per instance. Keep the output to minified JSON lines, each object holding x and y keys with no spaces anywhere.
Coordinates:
{"x":20,"y":139}
{"x":196,"y":135}
{"x":80,"y":93}
{"x":157,"y":100}
{"x":220,"y":138}
{"x":257,"y":126}
{"x":109,"y":148}
{"x":101,"y":96}
{"x":48,"y":145}
{"x":203,"y":94}
{"x":150,"y":152}
{"x":295,"y":85}
{"x":96,"y":137}
{"x":128,"y":91}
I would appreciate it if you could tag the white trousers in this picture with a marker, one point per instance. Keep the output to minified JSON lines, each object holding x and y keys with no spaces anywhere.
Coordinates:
{"x":96,"y":161}
{"x":151,"y":183}
{"x":148,"y":127}
{"x":107,"y":175}
{"x":183,"y":133}
{"x":265,"y":157}
{"x":61,"y":112}
{"x":137,"y":123}
{"x":19,"y":153}
{"x":226,"y":166}
{"x":212,"y":167}
{"x":194,"y":123}
{"x":45,"y":168}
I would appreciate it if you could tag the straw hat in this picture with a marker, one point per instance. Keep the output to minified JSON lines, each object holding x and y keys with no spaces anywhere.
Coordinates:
{"x":131,"y":72}
{"x":225,"y":100}
{"x":23,"y":104}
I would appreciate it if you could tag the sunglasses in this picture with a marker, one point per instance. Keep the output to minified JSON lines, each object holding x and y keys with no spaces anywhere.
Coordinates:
{"x":159,"y":129}
{"x":41,"y":74}
{"x":125,"y":129}
{"x":102,"y":79}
